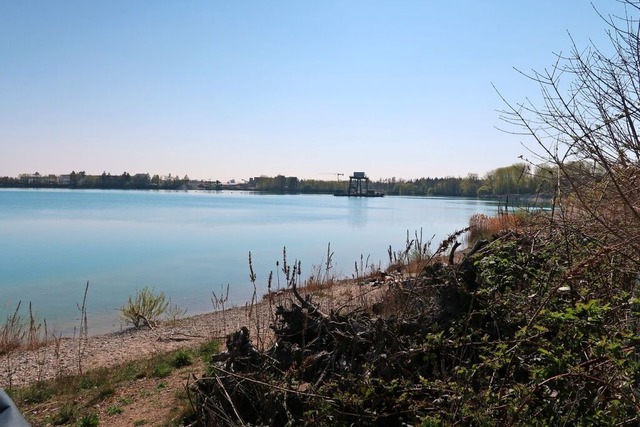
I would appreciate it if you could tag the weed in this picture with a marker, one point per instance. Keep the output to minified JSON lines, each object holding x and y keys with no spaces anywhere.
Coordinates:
{"x":181,"y":394}
{"x":96,"y":378}
{"x":162,"y":370}
{"x":90,"y":420}
{"x":65,"y":415}
{"x":208,"y":349}
{"x":103,"y":393}
{"x":415,"y":255}
{"x":12,"y":332}
{"x":131,"y":371}
{"x":114,"y":410}
{"x":182,"y":358}
{"x":125,"y":401}
{"x":16,"y":331}
{"x":219,"y":302}
{"x":39,"y":392}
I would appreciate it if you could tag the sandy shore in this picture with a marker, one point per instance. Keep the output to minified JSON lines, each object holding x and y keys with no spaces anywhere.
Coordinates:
{"x":67,"y":356}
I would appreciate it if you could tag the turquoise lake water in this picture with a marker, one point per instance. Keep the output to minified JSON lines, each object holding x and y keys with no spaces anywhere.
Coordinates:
{"x":188,"y":244}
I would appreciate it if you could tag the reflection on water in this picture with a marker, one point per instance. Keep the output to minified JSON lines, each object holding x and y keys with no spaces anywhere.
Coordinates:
{"x":357,"y":213}
{"x":187,"y":244}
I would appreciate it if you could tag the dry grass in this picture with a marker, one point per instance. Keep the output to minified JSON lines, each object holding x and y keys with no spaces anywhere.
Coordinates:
{"x":18,"y":331}
{"x":483,"y":226}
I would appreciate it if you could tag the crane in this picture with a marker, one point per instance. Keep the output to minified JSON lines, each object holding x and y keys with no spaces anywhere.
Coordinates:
{"x":337,"y":174}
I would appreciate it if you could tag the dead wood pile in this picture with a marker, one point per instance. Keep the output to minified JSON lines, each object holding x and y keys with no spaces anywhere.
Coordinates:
{"x":317,"y":369}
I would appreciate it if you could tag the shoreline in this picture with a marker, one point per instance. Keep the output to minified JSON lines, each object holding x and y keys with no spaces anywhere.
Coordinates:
{"x":71,"y":355}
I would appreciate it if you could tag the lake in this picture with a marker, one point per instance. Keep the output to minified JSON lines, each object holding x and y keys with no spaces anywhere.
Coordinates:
{"x":188,"y":244}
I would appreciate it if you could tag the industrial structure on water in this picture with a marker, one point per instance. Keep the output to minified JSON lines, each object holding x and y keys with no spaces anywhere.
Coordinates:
{"x":359,"y":187}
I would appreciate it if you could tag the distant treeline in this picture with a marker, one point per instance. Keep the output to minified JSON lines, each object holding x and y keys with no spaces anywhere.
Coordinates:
{"x":515,"y":179}
{"x":139,"y":181}
{"x":518,"y":178}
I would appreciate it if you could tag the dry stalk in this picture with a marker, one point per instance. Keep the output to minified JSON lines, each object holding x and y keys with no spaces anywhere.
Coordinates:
{"x":253,"y":314}
{"x":8,"y":369}
{"x":41,"y":355}
{"x":57,"y":342}
{"x":83,"y":332}
{"x":219,"y":304}
{"x":272,"y":318}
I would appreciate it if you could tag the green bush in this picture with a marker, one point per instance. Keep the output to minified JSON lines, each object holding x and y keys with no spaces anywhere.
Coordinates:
{"x":182,"y":358}
{"x":145,"y":309}
{"x":162,"y":370}
{"x":209,"y":348}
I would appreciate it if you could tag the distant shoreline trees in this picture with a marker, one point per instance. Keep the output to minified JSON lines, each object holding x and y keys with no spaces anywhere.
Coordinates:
{"x":518,"y":179}
{"x":105,"y":181}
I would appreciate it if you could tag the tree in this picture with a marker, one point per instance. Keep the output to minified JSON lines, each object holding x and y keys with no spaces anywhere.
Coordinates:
{"x":125,"y":179}
{"x":586,"y":132}
{"x":469,"y":186}
{"x":514,"y":179}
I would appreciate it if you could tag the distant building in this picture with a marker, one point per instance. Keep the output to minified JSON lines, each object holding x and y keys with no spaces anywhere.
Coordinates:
{"x":37,"y":179}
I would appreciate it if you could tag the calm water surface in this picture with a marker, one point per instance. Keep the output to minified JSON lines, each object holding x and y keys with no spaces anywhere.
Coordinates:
{"x":188,"y":244}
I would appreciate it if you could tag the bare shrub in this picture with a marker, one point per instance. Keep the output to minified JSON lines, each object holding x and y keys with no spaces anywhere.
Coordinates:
{"x":145,"y":308}
{"x":586,"y":133}
{"x":174,"y":313}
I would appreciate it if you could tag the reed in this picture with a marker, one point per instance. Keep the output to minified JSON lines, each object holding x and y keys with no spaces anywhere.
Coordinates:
{"x":483,"y":226}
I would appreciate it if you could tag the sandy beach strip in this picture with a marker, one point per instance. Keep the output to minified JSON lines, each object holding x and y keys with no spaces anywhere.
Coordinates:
{"x":68,"y":356}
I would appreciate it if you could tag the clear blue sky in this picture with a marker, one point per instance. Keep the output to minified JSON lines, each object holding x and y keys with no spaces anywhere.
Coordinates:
{"x":234,"y":89}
